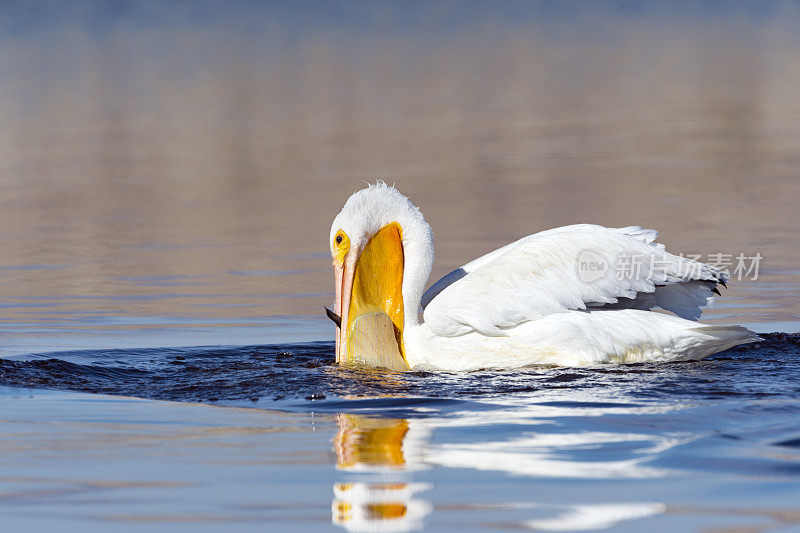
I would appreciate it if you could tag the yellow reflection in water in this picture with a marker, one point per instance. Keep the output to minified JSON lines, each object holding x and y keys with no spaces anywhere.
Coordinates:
{"x":375,"y":446}
{"x":370,"y":441}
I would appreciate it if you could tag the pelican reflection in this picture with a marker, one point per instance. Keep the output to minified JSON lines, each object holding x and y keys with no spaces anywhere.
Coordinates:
{"x":381,"y":455}
{"x":382,"y":452}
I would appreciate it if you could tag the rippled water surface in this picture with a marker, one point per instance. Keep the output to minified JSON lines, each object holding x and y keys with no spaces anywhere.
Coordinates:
{"x":169,"y":171}
{"x":691,"y":445}
{"x":284,"y":375}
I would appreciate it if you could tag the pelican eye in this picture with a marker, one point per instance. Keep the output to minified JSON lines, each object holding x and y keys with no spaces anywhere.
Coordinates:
{"x":341,"y":245}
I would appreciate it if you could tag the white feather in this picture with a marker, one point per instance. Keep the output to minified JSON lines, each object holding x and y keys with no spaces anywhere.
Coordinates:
{"x":528,"y":303}
{"x":370,"y":209}
{"x":575,"y":338}
{"x":539,"y":275}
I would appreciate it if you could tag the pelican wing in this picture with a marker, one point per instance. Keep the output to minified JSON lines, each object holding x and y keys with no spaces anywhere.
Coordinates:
{"x":569,"y":268}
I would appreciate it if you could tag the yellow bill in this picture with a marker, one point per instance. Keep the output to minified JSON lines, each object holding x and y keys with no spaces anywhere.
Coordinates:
{"x":369,"y":298}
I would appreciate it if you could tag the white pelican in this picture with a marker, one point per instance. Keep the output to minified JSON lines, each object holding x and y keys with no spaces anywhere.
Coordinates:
{"x":554,"y":297}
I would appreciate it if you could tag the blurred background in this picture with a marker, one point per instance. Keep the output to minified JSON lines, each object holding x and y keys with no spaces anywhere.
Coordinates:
{"x":169,"y":170}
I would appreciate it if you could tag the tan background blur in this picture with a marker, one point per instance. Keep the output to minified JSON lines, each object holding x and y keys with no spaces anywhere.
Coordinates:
{"x":179,"y":164}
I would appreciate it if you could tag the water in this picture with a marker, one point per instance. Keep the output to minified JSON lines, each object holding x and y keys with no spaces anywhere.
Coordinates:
{"x":288,"y":376}
{"x":169,"y":172}
{"x":302,"y":443}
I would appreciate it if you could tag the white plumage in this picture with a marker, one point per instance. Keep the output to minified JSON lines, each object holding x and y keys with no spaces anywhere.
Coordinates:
{"x":530,"y":302}
{"x":539,"y":275}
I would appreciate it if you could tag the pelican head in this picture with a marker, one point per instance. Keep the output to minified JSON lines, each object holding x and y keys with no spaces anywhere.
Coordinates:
{"x":382,"y":251}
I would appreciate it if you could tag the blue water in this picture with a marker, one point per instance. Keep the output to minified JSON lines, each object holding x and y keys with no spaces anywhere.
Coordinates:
{"x":688,"y":445}
{"x":288,"y":376}
{"x":169,"y":174}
